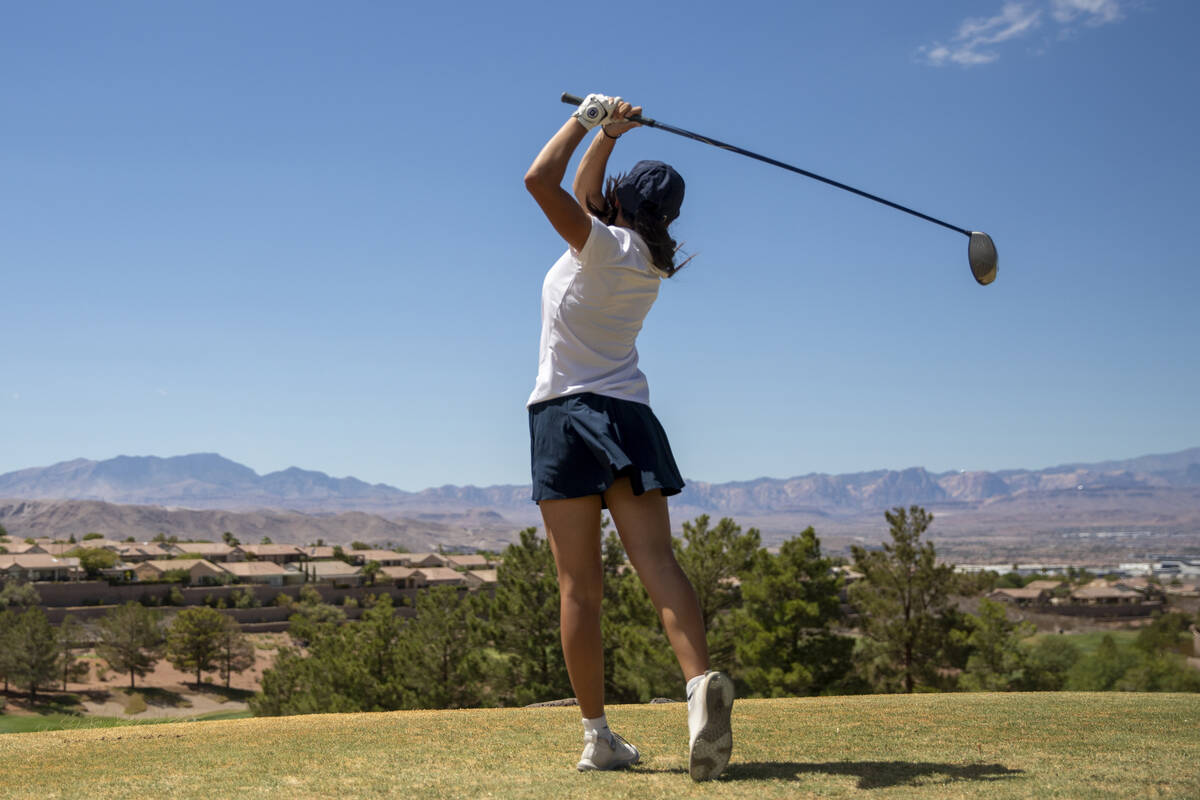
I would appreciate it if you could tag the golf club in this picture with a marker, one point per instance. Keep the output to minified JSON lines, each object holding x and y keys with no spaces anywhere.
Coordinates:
{"x":981,"y":251}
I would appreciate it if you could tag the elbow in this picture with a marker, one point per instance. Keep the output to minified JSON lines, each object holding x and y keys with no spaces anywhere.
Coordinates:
{"x":535,"y":181}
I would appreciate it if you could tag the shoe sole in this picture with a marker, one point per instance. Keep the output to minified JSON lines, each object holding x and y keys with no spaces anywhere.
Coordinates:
{"x":714,"y":743}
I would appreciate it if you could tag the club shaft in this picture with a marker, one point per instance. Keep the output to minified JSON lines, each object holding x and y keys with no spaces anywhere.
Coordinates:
{"x":650,"y":123}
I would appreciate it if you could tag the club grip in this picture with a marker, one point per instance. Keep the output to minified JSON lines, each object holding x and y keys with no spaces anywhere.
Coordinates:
{"x":572,"y":100}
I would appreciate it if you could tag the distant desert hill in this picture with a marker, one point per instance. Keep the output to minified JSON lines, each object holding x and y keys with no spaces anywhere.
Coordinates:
{"x":1159,"y":494}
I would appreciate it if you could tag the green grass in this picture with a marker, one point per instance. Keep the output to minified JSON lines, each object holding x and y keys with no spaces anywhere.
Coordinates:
{"x":42,"y":723}
{"x":1089,"y":642}
{"x":1112,"y":745}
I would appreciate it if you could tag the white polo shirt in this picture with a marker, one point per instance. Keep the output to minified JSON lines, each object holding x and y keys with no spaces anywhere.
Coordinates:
{"x":593,"y":305}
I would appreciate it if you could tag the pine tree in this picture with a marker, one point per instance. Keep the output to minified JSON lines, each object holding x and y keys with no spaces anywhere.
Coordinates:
{"x":900,"y":599}
{"x":131,"y":639}
{"x":998,"y":661}
{"x":35,"y":658}
{"x":442,"y":651}
{"x":525,"y":623}
{"x":235,"y":653}
{"x":786,"y":644}
{"x":714,"y":559}
{"x":639,"y":664}
{"x":70,"y":637}
{"x":194,"y":640}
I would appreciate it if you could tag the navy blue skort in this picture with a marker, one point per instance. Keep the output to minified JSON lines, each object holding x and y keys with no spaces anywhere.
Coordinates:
{"x":581,"y":444}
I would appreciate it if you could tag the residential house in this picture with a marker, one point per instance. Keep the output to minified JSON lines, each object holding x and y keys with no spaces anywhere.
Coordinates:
{"x":21,"y":548}
{"x":1047,"y":585}
{"x":200,"y":571}
{"x":480,"y":578}
{"x":401,"y":576}
{"x":1021,"y":597}
{"x":277,"y":553}
{"x":1105,"y":595}
{"x":39,"y":567}
{"x":315,"y":552}
{"x":215,"y":552}
{"x":468,"y":561}
{"x":421,"y":560}
{"x":268,"y":573}
{"x":334,"y":571}
{"x":137,"y":553}
{"x":386,"y":558}
{"x":438,"y":576}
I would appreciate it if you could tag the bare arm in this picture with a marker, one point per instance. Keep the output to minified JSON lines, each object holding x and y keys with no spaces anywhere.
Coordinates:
{"x":589,"y":178}
{"x":544,"y":181}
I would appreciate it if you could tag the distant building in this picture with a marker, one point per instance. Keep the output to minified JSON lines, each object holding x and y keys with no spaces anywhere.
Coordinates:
{"x":386,"y":558}
{"x":334,"y":571}
{"x":268,"y":573}
{"x":216,"y":552}
{"x":468,"y":561}
{"x":39,"y":567}
{"x":200,"y":571}
{"x":423,"y":560}
{"x":277,"y":553}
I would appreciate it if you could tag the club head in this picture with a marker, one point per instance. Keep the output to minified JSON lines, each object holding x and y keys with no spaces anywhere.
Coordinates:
{"x":981,"y":252}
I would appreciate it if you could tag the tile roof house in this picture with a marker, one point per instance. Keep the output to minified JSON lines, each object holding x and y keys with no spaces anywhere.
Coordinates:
{"x":1047,"y":585}
{"x":1105,"y":595}
{"x":438,"y":576}
{"x":137,"y":553}
{"x":468,"y":561}
{"x":1021,"y":597}
{"x":16,"y":548}
{"x":39,"y":567}
{"x":212,"y":551}
{"x":477,"y":578}
{"x":313,"y":551}
{"x":279,"y":553}
{"x":265,"y":572}
{"x":334,"y":571}
{"x":386,"y":558}
{"x":401,"y":576}
{"x":423,"y":560}
{"x":200,"y":571}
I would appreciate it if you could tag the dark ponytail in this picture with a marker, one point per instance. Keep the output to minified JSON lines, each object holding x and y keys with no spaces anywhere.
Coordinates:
{"x":647,"y":222}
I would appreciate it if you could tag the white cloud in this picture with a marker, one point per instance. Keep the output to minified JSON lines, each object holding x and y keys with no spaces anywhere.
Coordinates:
{"x":1094,"y":12}
{"x":976,"y":40}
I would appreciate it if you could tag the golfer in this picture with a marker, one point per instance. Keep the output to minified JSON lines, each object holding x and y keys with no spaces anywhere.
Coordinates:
{"x":595,"y":443}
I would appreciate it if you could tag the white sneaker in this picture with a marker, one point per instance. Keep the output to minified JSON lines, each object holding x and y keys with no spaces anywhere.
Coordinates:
{"x":606,"y":752}
{"x":711,"y":738}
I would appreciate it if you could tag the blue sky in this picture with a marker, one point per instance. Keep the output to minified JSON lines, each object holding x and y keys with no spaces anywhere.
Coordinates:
{"x":295,"y":233}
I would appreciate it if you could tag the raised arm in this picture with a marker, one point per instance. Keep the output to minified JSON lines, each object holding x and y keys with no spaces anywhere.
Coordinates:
{"x":544,"y":181}
{"x":544,"y":177}
{"x":589,"y":178}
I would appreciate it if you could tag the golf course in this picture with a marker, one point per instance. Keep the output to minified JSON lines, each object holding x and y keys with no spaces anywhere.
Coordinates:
{"x":980,"y":745}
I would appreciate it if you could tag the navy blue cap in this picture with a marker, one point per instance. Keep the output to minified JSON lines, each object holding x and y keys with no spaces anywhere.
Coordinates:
{"x":651,"y":182}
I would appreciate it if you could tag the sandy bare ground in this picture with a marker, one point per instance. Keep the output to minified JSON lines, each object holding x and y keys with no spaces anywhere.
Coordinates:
{"x":167,"y":691}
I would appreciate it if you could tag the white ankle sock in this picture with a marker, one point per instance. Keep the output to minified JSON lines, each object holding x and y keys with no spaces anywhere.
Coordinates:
{"x":596,"y":724}
{"x":693,"y":683}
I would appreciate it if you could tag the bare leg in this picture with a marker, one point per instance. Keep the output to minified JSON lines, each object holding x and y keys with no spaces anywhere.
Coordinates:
{"x":644,"y":525}
{"x":573,"y":528}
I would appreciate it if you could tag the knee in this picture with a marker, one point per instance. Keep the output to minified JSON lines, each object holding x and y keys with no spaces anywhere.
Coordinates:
{"x":580,"y":598}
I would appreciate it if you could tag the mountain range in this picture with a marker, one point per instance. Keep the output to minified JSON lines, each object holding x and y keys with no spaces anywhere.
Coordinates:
{"x":1156,"y":492}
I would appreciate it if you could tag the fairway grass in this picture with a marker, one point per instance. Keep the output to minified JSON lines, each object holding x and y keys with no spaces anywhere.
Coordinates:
{"x":1111,"y":745}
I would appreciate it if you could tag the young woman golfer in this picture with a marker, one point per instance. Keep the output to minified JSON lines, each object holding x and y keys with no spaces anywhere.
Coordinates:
{"x":595,"y":442}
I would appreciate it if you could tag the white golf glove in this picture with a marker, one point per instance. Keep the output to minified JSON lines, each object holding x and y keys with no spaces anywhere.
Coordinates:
{"x":596,"y":109}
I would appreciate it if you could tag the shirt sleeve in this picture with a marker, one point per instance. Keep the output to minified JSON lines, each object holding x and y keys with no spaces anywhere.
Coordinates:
{"x":602,"y":246}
